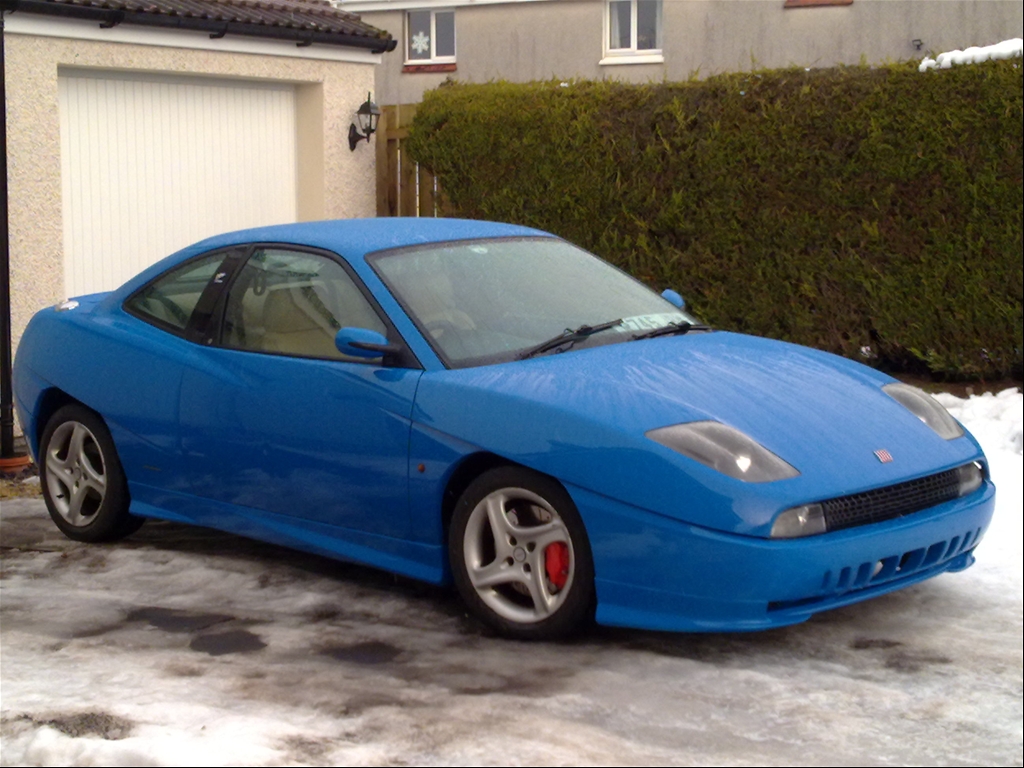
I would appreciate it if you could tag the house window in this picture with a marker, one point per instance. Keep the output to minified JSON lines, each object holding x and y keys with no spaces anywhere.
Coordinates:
{"x":430,"y":39}
{"x":634,"y":26}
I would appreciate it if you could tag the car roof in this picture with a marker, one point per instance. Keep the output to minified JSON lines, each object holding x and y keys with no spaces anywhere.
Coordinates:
{"x":351,"y":238}
{"x":354,"y":238}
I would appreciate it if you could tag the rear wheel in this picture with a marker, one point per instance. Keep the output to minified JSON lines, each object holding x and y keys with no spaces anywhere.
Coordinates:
{"x":82,"y":480}
{"x":520,"y":556}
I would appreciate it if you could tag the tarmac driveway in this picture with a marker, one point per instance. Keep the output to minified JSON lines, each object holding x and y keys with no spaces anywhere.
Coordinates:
{"x":183,"y":646}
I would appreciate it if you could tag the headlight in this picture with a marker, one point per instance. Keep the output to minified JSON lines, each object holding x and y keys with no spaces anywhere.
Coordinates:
{"x":806,"y":520}
{"x":724,"y":449}
{"x":971,"y":476}
{"x":926,"y":408}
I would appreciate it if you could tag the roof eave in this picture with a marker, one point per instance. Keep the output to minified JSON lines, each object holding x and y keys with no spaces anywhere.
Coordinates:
{"x":110,"y":17}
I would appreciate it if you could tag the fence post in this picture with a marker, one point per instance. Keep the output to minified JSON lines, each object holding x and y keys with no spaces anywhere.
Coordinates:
{"x":383,"y":166}
{"x":428,"y":206}
{"x":403,"y":188}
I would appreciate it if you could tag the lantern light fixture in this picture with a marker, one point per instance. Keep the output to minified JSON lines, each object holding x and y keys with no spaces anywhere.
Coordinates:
{"x":368,"y":115}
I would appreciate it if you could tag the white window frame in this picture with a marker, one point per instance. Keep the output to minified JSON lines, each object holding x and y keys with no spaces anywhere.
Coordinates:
{"x":434,"y":59}
{"x":631,"y":55}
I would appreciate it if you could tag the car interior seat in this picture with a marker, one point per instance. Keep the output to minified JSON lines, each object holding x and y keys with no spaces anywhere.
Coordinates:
{"x":296,"y":322}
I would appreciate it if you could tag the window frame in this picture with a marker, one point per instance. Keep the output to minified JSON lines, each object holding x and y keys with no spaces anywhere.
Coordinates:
{"x":405,"y":358}
{"x":434,"y":61}
{"x":814,"y":3}
{"x":212,"y":304}
{"x":208,"y":297}
{"x":631,"y":55}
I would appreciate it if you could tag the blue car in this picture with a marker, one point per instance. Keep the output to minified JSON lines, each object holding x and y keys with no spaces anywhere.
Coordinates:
{"x":488,"y":405}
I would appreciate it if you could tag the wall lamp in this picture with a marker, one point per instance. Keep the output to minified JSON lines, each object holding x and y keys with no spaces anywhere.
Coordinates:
{"x":368,"y":116}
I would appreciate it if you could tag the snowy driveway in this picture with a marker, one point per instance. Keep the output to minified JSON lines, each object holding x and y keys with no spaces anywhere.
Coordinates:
{"x":182,"y":646}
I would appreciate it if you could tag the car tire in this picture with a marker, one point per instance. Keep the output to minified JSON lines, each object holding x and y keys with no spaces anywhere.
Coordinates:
{"x":82,"y":480}
{"x":520,"y":556}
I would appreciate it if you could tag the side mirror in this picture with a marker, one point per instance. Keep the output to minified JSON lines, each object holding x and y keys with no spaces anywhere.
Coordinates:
{"x":673,"y":297}
{"x":362,"y":342}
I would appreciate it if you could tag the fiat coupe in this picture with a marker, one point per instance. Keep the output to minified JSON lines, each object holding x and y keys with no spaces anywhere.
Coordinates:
{"x":491,"y":406}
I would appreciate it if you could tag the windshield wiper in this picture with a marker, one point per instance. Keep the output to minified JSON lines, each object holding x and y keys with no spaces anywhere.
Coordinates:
{"x":569,"y":336}
{"x":684,"y":326}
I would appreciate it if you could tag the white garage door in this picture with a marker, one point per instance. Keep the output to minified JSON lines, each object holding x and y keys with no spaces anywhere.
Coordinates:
{"x":151,"y":164}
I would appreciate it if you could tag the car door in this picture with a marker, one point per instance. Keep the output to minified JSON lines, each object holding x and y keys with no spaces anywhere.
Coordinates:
{"x":275,"y":419}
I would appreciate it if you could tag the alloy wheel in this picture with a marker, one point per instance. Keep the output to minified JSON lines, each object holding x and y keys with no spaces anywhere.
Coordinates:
{"x":519,"y":555}
{"x":75,"y":473}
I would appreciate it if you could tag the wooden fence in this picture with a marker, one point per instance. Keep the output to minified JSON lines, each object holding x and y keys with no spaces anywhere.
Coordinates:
{"x":403,"y":188}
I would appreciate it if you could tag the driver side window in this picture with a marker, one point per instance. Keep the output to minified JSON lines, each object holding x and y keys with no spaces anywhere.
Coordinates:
{"x":293,"y":303}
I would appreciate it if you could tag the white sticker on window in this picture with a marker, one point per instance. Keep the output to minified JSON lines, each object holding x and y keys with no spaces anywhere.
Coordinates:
{"x":648,"y":322}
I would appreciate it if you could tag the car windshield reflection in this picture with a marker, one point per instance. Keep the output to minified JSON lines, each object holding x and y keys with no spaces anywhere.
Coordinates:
{"x":488,"y":301}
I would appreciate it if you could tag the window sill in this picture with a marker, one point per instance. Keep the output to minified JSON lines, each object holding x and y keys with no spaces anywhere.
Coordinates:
{"x":632,"y":58}
{"x":447,"y":67}
{"x":814,"y":3}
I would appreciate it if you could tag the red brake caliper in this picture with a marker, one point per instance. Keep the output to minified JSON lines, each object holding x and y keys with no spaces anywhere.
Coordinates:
{"x":556,"y":562}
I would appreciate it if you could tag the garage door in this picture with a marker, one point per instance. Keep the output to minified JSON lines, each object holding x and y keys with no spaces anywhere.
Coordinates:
{"x":151,"y":164}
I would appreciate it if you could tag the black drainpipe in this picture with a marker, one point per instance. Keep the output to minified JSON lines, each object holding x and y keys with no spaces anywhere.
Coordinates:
{"x":6,"y":389}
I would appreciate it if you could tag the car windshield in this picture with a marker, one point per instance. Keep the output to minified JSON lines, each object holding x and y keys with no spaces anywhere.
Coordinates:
{"x":487,"y":301}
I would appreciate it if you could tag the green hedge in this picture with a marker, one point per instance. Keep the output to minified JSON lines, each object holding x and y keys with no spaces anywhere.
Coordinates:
{"x":845,"y":209}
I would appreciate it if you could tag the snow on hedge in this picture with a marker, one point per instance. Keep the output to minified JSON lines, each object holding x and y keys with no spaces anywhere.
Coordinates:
{"x":1007,"y":49}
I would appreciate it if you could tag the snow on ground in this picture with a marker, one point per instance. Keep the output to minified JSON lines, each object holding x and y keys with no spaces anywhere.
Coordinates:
{"x":181,"y":646}
{"x":1007,"y":49}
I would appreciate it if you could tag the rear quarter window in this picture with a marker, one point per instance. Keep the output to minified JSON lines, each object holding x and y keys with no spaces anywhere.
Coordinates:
{"x":168,"y":301}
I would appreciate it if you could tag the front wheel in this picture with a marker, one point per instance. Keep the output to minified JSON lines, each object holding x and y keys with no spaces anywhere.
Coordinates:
{"x":82,"y":480}
{"x":520,"y":556}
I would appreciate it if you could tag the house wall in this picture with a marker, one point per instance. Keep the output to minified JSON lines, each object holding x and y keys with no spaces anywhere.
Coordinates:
{"x":713,"y":36}
{"x":542,"y":40}
{"x":333,"y":182}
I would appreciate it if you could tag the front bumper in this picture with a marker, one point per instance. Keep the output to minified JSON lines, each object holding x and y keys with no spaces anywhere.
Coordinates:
{"x":656,"y":573}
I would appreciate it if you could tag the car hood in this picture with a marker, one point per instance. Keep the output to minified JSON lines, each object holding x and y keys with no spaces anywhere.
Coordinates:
{"x":582,"y":416}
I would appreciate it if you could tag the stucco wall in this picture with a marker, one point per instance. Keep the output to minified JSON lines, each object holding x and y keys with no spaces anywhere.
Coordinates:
{"x":542,"y":40}
{"x":333,"y":181}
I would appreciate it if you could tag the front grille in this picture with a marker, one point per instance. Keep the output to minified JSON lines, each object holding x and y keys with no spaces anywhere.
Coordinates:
{"x":892,"y":501}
